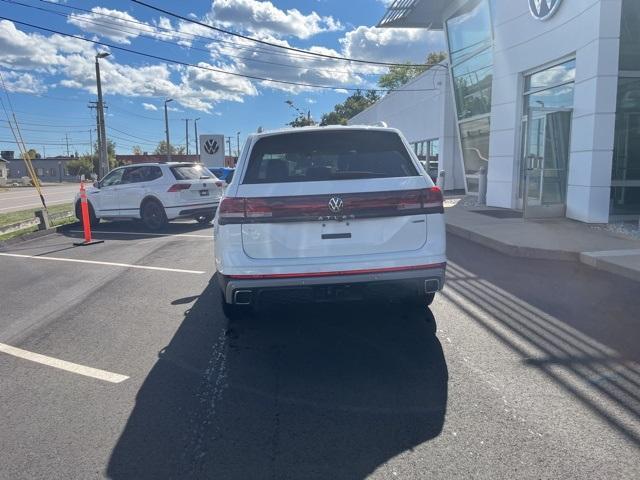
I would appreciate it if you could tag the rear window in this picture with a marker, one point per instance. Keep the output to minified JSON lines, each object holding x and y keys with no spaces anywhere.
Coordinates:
{"x":190,"y":172}
{"x":331,"y":155}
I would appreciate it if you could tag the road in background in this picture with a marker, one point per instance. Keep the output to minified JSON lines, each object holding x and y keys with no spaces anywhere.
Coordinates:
{"x":521,"y":369}
{"x":23,"y":198}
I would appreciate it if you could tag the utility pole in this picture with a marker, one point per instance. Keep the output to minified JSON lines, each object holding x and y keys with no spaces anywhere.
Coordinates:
{"x":93,"y":105}
{"x":103,"y":162}
{"x":66,"y":136}
{"x":238,"y":145}
{"x":229,"y":145}
{"x":195,"y":128}
{"x":44,"y":152}
{"x":186,"y":126}
{"x":166,"y":128}
{"x":91,"y":141}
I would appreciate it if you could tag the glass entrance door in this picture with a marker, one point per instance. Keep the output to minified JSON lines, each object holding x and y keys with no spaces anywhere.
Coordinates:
{"x":546,"y":134}
{"x":545,"y":162}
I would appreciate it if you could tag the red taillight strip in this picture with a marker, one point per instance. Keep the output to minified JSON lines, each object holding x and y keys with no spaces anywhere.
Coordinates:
{"x":338,"y":272}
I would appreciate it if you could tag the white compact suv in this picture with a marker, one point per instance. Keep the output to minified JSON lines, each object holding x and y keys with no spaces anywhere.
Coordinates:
{"x":155,"y":193}
{"x":322,"y":213}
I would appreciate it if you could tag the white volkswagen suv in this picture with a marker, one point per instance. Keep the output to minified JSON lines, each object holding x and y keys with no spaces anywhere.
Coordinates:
{"x":322,"y":213}
{"x":155,"y":193}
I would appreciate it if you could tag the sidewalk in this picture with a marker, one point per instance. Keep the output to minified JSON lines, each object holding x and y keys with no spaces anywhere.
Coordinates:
{"x":554,"y":239}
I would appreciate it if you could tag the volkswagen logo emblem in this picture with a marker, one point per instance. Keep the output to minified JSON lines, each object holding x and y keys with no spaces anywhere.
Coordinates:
{"x":336,"y":205}
{"x":211,"y":146}
{"x":543,"y":9}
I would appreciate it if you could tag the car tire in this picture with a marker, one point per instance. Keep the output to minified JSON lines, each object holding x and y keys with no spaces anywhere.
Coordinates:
{"x":153,"y":215}
{"x":422,"y":299}
{"x":204,"y":219}
{"x":234,"y":312}
{"x":93,"y":220}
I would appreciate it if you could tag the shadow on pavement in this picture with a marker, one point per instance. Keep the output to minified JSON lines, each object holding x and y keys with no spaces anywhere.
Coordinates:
{"x":326,"y":391}
{"x":136,"y":230}
{"x":577,"y":325}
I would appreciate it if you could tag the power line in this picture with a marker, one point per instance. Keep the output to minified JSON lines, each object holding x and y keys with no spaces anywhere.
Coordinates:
{"x":129,"y":135}
{"x":141,"y":32}
{"x":217,"y":70}
{"x":264,"y":42}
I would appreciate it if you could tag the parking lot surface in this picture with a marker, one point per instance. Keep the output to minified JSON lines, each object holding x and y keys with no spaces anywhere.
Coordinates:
{"x":23,"y":198}
{"x":520,"y":369}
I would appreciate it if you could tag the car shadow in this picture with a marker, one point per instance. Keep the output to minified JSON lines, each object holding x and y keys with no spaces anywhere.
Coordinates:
{"x":324,"y":391}
{"x":136,"y":230}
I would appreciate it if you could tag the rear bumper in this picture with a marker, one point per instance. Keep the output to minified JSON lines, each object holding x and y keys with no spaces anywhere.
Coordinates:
{"x":333,"y":287}
{"x":192,"y":210}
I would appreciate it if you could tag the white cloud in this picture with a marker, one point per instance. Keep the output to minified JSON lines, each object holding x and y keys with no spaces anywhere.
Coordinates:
{"x":22,"y":82}
{"x":394,"y":45}
{"x":149,"y":106}
{"x":265,"y":18}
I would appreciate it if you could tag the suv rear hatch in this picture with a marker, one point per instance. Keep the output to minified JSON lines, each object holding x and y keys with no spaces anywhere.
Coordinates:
{"x":331,"y":193}
{"x":195,"y":184}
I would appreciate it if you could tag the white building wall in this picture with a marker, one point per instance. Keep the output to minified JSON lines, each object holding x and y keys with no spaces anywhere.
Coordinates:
{"x":590,"y":31}
{"x":423,"y":115}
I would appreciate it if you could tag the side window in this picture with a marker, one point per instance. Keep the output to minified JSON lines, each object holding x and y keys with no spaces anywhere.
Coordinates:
{"x":133,"y":175}
{"x":113,"y":178}
{"x":151,"y":173}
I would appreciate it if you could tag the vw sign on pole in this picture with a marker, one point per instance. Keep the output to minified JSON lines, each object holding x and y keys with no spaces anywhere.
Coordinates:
{"x":543,"y":9}
{"x":212,"y":150}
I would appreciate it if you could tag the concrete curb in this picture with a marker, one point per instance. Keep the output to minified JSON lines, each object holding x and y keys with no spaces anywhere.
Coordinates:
{"x":513,"y":250}
{"x":592,"y":259}
{"x":595,"y":260}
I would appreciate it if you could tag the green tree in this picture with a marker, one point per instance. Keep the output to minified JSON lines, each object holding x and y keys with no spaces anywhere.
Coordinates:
{"x":302,"y":119}
{"x":83,"y":165}
{"x":111,"y":155}
{"x":400,"y":74}
{"x":136,"y":150}
{"x":33,"y":154}
{"x":353,"y":105}
{"x":161,"y":149}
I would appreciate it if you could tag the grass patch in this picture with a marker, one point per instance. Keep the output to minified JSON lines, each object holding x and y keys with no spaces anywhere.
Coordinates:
{"x":22,"y":215}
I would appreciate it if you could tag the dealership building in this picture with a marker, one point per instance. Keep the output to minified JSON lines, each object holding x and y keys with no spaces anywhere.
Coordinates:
{"x":537,"y":106}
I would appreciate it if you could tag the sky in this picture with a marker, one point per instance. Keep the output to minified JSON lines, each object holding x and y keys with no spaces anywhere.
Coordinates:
{"x":51,"y":77}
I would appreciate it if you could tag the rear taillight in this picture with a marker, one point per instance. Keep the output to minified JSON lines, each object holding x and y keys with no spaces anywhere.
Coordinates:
{"x":432,"y":200}
{"x":177,"y":187}
{"x":219,"y":184}
{"x":316,"y":207}
{"x":231,"y":210}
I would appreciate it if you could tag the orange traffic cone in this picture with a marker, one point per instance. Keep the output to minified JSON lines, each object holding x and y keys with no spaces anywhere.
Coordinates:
{"x":86,"y":222}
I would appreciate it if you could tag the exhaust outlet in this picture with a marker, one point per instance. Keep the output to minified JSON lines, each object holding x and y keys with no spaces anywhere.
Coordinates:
{"x":242,"y":297}
{"x":431,"y":286}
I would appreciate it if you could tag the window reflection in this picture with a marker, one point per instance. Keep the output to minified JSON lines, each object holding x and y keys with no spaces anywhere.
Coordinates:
{"x":469,"y":30}
{"x":474,"y":135}
{"x":472,"y":81}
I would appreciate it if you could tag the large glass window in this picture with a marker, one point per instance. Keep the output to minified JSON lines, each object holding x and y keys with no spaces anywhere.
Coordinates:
{"x":470,"y":41}
{"x":474,"y":135}
{"x":469,"y":30}
{"x":428,"y":152}
{"x":472,"y":85}
{"x":625,"y":175}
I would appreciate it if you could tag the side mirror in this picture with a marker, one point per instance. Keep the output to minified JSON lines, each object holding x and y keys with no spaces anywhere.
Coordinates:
{"x":96,"y":185}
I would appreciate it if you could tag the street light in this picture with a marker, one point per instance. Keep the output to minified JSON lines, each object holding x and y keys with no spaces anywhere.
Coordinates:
{"x":103,"y":165}
{"x":195,"y":127}
{"x":166,"y":128}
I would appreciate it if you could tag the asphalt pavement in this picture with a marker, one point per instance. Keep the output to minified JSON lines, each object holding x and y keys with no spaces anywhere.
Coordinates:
{"x":520,"y":369}
{"x":24,"y":198}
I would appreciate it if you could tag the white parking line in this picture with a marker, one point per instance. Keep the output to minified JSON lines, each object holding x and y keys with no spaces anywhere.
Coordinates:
{"x":63,"y":364}
{"x":193,"y":235}
{"x":96,"y":262}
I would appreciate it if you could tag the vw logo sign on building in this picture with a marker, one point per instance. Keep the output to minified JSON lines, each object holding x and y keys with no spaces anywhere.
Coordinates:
{"x":544,"y":9}
{"x":336,"y":205}
{"x":212,"y":150}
